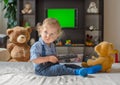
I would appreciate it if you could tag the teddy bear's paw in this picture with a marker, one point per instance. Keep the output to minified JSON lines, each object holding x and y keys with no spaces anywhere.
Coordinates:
{"x":30,"y":11}
{"x":108,"y":71}
{"x":23,"y":11}
{"x":84,"y":64}
{"x":90,"y":62}
{"x":12,"y":60}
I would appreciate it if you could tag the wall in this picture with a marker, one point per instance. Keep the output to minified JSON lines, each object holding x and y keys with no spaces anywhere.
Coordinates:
{"x":3,"y":24}
{"x":112,"y":22}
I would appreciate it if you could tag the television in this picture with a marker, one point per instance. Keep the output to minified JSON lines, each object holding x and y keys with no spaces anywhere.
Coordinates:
{"x":67,"y":17}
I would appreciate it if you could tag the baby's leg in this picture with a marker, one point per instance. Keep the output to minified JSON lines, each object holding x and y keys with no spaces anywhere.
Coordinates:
{"x":58,"y":70}
{"x":94,"y":69}
{"x":73,"y":66}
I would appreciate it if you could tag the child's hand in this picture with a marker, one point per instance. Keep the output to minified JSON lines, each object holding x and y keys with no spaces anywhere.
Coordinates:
{"x":53,"y":59}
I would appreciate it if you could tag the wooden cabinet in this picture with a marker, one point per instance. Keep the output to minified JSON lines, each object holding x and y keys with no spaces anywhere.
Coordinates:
{"x":26,"y":12}
{"x":89,"y":18}
{"x":26,"y":16}
{"x":93,"y":26}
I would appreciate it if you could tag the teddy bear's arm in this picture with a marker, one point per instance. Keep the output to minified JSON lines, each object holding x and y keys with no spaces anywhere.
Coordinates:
{"x":10,"y":46}
{"x":112,"y":59}
{"x":97,"y":61}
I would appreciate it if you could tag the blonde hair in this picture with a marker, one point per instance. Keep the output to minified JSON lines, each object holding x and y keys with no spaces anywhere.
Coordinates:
{"x":49,"y":22}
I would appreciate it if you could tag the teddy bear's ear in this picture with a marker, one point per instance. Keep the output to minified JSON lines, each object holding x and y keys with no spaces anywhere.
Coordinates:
{"x":97,"y":48}
{"x":29,"y":30}
{"x":111,"y":45}
{"x":9,"y":31}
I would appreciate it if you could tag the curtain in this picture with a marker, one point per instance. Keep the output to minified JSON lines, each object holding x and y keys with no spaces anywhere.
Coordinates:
{"x":3,"y":21}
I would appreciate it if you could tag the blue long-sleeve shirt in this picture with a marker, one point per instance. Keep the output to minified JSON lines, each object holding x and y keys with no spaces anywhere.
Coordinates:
{"x":37,"y":51}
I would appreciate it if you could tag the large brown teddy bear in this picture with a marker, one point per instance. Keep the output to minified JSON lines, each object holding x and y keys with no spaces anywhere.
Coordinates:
{"x":18,"y":47}
{"x":105,"y":51}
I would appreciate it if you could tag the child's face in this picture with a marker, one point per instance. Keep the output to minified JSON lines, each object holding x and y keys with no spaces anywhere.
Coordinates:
{"x":49,"y":34}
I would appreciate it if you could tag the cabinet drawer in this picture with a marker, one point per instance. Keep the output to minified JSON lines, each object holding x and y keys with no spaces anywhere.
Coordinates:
{"x":76,"y":50}
{"x":62,"y":50}
{"x":69,"y":50}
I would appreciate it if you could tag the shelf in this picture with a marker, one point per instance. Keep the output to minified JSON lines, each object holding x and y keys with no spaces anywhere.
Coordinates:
{"x":27,"y":14}
{"x":73,"y":45}
{"x":84,"y":20}
{"x":93,"y":30}
{"x":93,"y":13}
{"x":93,"y":21}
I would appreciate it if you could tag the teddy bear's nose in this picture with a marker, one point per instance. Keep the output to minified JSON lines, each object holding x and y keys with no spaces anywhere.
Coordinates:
{"x":22,"y":37}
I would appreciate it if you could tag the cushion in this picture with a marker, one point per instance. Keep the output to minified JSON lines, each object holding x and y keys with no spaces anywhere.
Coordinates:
{"x":4,"y":54}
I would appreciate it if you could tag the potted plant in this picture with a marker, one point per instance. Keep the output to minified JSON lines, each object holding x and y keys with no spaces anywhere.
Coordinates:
{"x":10,"y":7}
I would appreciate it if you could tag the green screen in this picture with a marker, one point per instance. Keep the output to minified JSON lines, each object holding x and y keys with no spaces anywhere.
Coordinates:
{"x":66,"y":17}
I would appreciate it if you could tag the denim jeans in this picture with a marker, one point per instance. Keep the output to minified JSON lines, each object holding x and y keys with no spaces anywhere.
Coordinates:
{"x":58,"y":70}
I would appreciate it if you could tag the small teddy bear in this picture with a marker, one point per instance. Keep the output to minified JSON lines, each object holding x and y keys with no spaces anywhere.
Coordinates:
{"x":105,"y":51}
{"x":92,"y":8}
{"x":89,"y":41}
{"x":18,"y":47}
{"x":27,"y":9}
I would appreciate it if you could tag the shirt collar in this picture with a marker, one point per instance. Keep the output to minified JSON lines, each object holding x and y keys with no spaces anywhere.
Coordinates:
{"x":42,"y":42}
